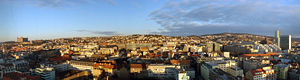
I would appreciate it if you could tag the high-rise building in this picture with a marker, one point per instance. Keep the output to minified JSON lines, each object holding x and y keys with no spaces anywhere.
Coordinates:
{"x":277,"y":38}
{"x":22,"y":39}
{"x":213,"y":47}
{"x":286,"y":42}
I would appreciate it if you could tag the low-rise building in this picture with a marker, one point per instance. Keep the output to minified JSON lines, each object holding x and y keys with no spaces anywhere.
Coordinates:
{"x":294,"y":74}
{"x":6,"y":68}
{"x":236,"y":71}
{"x":19,"y":76}
{"x":81,"y":65}
{"x":254,"y":64}
{"x":45,"y":72}
{"x":282,"y":71}
{"x":21,"y":65}
{"x":266,"y":73}
{"x":224,"y":65}
{"x":182,"y":75}
{"x":162,"y":71}
{"x":136,"y":68}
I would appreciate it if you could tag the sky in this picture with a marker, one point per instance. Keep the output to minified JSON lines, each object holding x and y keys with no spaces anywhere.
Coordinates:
{"x":50,"y":19}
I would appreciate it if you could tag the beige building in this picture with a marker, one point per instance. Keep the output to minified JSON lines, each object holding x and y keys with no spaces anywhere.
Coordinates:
{"x":81,"y":65}
{"x":277,"y":37}
{"x":107,"y":50}
{"x":162,"y":71}
{"x":266,"y":73}
{"x":22,"y":39}
{"x":229,"y":66}
{"x":136,"y":68}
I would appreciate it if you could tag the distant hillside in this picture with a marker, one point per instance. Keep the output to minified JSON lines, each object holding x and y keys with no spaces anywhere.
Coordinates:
{"x":296,"y":39}
{"x":226,"y":33}
{"x":246,"y":34}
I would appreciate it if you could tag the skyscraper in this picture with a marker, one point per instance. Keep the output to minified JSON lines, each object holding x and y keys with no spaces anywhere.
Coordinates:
{"x":277,"y":38}
{"x":286,"y":42}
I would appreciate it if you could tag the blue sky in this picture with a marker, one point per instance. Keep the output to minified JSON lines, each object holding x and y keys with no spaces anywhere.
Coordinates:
{"x":49,"y":19}
{"x":29,"y":19}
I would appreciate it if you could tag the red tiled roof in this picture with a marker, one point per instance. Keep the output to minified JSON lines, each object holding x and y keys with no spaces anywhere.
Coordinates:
{"x":179,"y":61}
{"x":109,"y":66}
{"x":256,"y":71}
{"x":144,"y":48}
{"x":136,"y":66}
{"x":60,"y":58}
{"x":157,"y":55}
{"x":96,"y":65}
{"x":174,"y":61}
{"x":195,"y":54}
{"x":249,"y":55}
{"x":171,"y":53}
{"x":103,"y":44}
{"x":71,"y":52}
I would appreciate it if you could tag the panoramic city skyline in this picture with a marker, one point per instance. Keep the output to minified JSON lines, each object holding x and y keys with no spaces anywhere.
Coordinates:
{"x":149,"y":40}
{"x":50,"y":19}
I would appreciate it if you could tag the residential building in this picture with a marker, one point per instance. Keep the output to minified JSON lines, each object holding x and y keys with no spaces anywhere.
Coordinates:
{"x":294,"y":74}
{"x":81,"y":65}
{"x":224,"y":65}
{"x":282,"y":71}
{"x":7,"y":68}
{"x":236,"y":71}
{"x":136,"y":68}
{"x":19,"y":76}
{"x":162,"y":71}
{"x":182,"y":75}
{"x":21,"y":65}
{"x":266,"y":73}
{"x":226,"y":54}
{"x":213,"y":47}
{"x":255,"y":64}
{"x":45,"y":72}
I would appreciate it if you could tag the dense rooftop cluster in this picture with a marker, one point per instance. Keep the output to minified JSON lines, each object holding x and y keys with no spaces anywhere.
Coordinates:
{"x":225,"y":56}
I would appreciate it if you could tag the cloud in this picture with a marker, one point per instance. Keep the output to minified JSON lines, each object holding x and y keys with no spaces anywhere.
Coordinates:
{"x":112,"y":2}
{"x":215,"y":16}
{"x":109,"y":33}
{"x":55,"y":3}
{"x":60,"y":3}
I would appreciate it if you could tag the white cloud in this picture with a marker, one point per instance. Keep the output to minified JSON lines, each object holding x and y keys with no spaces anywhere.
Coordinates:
{"x":215,"y":16}
{"x":109,"y":33}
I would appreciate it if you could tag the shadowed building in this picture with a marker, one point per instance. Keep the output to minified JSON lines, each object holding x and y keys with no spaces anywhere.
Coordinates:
{"x":286,"y":42}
